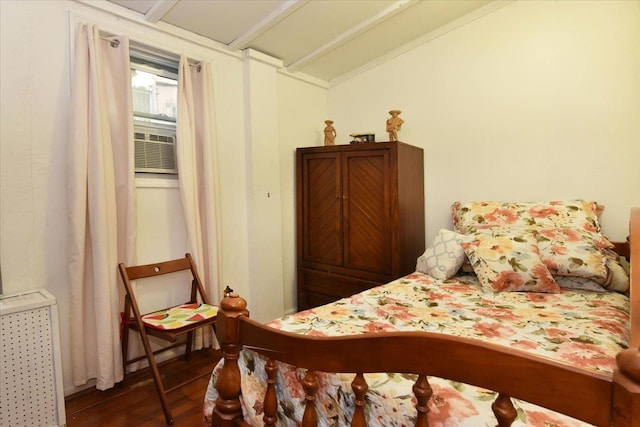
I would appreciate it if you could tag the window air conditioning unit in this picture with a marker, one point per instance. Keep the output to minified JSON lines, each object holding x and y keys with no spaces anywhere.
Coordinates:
{"x":155,"y":149}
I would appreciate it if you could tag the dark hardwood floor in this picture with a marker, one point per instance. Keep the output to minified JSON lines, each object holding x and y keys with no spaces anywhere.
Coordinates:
{"x":136,"y":403}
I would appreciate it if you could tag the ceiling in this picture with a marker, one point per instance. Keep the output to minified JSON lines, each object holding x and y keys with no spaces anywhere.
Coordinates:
{"x":325,"y":39}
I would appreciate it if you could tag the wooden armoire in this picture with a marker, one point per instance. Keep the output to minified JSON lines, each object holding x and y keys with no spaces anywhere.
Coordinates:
{"x":360,"y":217}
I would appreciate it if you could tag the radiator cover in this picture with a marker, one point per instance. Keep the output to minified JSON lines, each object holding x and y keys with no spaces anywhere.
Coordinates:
{"x":30,"y":367}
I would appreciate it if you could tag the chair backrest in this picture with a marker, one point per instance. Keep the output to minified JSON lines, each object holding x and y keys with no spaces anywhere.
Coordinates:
{"x":131,"y":273}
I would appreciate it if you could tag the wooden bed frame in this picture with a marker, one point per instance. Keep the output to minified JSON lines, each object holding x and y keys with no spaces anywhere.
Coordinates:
{"x":596,"y":398}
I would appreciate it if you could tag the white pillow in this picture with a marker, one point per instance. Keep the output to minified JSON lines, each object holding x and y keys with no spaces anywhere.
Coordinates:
{"x":444,"y":257}
{"x":619,"y":279}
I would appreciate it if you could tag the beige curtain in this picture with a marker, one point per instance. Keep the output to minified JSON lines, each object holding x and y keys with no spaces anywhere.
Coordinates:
{"x":101,"y":202}
{"x":198,"y":175}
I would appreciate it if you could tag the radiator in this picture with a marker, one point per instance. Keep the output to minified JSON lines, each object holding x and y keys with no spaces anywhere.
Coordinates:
{"x":31,"y":390}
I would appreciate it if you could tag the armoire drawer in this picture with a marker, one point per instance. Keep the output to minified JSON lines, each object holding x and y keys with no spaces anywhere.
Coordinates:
{"x":321,"y":287}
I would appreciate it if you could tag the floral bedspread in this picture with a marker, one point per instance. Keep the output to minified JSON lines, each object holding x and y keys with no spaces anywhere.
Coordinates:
{"x":584,"y":328}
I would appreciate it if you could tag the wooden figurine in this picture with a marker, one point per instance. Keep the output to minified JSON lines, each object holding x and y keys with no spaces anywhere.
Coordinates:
{"x":329,"y":133}
{"x":394,"y":124}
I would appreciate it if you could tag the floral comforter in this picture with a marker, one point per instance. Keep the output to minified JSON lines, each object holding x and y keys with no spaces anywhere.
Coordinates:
{"x":583,"y":328}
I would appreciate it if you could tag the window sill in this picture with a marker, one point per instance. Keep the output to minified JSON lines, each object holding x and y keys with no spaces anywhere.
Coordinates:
{"x":156,"y":182}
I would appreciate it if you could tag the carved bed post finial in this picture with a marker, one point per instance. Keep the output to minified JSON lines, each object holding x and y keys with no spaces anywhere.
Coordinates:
{"x":228,"y":407}
{"x":628,"y":362}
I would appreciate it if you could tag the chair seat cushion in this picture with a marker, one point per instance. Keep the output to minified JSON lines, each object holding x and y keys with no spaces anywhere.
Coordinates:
{"x":179,"y":316}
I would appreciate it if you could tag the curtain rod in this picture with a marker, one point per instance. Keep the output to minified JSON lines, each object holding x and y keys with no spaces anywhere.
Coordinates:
{"x":114,"y":42}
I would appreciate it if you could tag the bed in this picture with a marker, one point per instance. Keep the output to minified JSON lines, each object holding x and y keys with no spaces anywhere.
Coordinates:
{"x":520,"y":315}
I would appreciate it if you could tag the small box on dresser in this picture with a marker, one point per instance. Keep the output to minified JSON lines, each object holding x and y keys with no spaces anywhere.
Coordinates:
{"x":360,"y":217}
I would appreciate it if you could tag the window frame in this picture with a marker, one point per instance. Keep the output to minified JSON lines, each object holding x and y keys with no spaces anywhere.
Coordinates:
{"x":167,"y":67}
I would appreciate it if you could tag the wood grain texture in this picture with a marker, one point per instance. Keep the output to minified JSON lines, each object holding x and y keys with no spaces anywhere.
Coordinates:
{"x":137,"y":404}
{"x":360,"y":217}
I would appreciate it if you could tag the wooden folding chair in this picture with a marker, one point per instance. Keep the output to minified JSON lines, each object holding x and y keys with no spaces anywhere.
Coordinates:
{"x":167,"y":324}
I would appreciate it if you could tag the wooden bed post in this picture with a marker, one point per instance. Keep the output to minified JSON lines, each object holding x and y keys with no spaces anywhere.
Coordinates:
{"x":626,"y":389}
{"x":626,"y":379}
{"x":228,"y":408}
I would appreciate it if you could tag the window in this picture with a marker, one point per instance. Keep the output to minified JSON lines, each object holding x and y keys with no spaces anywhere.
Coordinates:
{"x":154,"y":86}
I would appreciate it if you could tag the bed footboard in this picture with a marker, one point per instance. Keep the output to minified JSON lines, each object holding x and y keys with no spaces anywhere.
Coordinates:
{"x":509,"y":372}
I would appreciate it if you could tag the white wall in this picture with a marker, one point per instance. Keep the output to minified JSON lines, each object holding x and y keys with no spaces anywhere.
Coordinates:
{"x":537,"y":100}
{"x":264,"y":226}
{"x":301,"y":115}
{"x":35,"y":52}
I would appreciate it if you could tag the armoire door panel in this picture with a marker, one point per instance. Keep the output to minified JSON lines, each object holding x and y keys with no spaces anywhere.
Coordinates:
{"x":366,"y":211}
{"x":322,"y":209}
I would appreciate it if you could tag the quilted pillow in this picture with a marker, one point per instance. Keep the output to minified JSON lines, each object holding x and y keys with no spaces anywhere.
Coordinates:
{"x":579,"y":214}
{"x":573,"y":252}
{"x":618,"y":279}
{"x":578,"y":283}
{"x":443,"y":258}
{"x":508,"y":262}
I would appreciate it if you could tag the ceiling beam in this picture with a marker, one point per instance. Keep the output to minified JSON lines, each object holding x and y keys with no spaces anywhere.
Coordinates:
{"x":286,"y":9}
{"x":394,"y":9}
{"x":158,"y":10}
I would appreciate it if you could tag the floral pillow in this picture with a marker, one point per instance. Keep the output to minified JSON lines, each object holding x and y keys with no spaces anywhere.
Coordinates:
{"x":508,"y":262}
{"x":443,"y":258}
{"x":579,"y":214}
{"x":573,"y":252}
{"x":618,"y":279}
{"x":578,"y":283}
